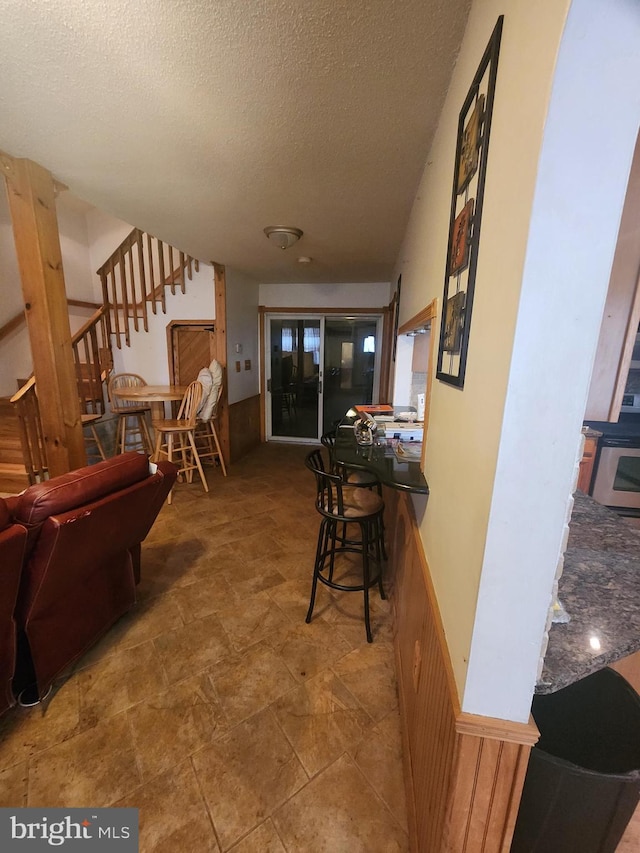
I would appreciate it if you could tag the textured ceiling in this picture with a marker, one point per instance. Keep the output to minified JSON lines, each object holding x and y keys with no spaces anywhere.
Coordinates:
{"x":203,"y":122}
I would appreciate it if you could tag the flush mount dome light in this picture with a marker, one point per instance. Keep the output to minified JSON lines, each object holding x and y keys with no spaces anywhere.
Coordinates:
{"x":283,"y":236}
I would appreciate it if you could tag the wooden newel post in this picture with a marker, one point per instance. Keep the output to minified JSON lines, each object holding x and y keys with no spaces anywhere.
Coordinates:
{"x":30,"y":189}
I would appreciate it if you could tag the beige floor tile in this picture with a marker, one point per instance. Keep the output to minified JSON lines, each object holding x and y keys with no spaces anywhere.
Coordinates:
{"x":379,"y":757}
{"x":207,"y":595}
{"x":308,"y":649}
{"x":263,"y":839}
{"x":173,"y":724}
{"x":292,"y":597}
{"x":94,"y":768}
{"x":250,"y":620}
{"x":247,"y":775}
{"x":339,"y":811}
{"x":251,"y":682}
{"x":249,"y":546}
{"x":27,"y":731}
{"x":321,"y":719}
{"x":119,"y":681}
{"x":173,"y":816}
{"x":345,"y":611}
{"x":148,"y":619}
{"x":369,"y":673}
{"x":192,"y":648}
{"x":13,"y":786}
{"x":247,"y":579}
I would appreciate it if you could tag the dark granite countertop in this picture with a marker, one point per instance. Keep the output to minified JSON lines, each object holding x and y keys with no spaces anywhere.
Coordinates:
{"x":600,"y":590}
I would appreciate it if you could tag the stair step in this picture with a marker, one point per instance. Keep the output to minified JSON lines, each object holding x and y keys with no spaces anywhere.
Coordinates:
{"x":13,"y":479}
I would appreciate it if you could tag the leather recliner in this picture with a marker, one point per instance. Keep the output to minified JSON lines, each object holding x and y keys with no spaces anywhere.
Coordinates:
{"x":82,"y":563}
{"x":13,"y":542}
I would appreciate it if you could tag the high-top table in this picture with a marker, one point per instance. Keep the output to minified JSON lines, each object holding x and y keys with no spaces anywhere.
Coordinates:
{"x":379,"y":458}
{"x":155,"y":395}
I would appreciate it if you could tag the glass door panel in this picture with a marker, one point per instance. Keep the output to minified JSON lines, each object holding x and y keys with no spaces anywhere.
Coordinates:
{"x":350,"y":352}
{"x":295,"y":353}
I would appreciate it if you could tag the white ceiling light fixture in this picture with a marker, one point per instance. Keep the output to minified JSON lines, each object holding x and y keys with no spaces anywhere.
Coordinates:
{"x":283,"y":236}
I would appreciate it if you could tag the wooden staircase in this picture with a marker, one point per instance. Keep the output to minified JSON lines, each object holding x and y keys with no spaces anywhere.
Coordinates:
{"x":134,"y":279}
{"x":13,"y":477}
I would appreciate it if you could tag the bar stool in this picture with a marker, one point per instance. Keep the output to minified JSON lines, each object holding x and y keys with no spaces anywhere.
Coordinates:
{"x":353,"y":476}
{"x":342,"y":507}
{"x":92,"y":442}
{"x":132,"y":417}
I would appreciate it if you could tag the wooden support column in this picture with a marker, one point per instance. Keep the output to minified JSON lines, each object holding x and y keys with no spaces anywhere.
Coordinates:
{"x":221,"y":356}
{"x":30,"y":189}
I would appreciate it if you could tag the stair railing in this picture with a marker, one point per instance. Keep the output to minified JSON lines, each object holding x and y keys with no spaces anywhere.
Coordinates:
{"x":135,"y":276}
{"x":34,"y":452}
{"x":93,"y":361}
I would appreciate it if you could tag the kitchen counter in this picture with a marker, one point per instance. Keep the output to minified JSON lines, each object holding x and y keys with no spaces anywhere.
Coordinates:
{"x":378,"y":458}
{"x":600,"y":590}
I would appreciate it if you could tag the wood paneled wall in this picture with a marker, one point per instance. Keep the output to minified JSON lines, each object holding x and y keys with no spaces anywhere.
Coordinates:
{"x":464,"y":773}
{"x":244,"y":426}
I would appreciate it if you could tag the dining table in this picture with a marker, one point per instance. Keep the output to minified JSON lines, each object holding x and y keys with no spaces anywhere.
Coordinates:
{"x":156,"y":395}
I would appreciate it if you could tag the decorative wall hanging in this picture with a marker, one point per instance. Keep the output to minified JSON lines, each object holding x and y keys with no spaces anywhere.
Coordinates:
{"x":470,"y":169}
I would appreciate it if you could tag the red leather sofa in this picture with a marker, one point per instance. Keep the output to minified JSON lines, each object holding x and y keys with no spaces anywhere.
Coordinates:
{"x":13,"y":542}
{"x":82,"y":559}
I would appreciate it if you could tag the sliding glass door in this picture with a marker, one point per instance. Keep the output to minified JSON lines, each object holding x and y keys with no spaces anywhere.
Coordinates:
{"x":316,"y":367}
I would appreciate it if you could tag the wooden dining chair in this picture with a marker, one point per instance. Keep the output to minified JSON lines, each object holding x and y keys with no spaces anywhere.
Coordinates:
{"x":132,"y":432}
{"x":207,"y":437}
{"x":175,"y":438}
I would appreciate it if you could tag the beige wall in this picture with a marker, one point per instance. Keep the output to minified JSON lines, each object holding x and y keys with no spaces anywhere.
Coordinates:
{"x":464,"y":431}
{"x":501,"y":452}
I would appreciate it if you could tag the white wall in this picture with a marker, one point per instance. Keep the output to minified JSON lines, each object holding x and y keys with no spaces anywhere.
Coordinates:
{"x":242,"y":329}
{"x":370,"y":295}
{"x":148,"y":354}
{"x":500,"y":453}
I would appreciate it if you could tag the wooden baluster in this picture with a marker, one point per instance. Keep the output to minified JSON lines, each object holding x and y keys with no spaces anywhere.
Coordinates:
{"x":125,"y":296}
{"x":96,"y":380}
{"x":133,"y":302}
{"x":105,"y":296}
{"x":115,"y":313}
{"x":143,"y":280}
{"x":152,"y":281}
{"x":163,"y":298}
{"x":189,"y":269}
{"x":182,"y":272}
{"x":173,"y":270}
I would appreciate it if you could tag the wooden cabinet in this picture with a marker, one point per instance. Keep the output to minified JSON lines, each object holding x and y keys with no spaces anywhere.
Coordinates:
{"x":587,"y":463}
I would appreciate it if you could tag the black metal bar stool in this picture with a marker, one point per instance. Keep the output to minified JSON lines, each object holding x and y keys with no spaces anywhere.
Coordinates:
{"x":343,"y":506}
{"x":353,"y":476}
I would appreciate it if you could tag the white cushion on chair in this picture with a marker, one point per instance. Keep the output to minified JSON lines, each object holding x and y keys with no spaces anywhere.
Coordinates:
{"x":211,"y":380}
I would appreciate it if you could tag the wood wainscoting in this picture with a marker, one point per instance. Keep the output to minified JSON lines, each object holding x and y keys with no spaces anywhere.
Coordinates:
{"x":244,"y":426}
{"x":464,"y":773}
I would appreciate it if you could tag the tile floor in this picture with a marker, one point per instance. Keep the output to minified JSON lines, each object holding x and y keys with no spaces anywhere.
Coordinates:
{"x":212,"y":706}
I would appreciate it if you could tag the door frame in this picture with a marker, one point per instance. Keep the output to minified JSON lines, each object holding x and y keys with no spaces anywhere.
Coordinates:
{"x":263,"y":310}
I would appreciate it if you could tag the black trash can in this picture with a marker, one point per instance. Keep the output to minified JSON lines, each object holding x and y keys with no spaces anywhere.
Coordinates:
{"x":583,"y":778}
